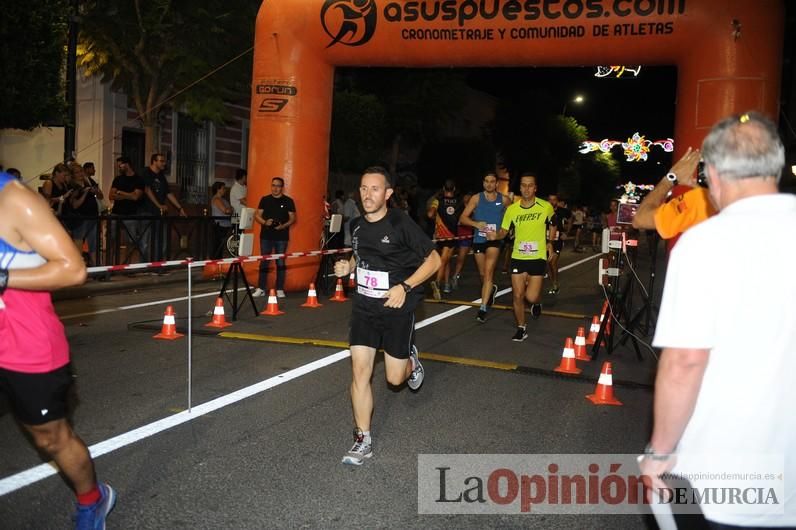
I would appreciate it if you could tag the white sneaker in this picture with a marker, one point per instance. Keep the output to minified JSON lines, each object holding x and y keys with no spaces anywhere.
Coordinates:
{"x":361,"y":450}
{"x":418,"y":374}
{"x":258,"y":292}
{"x":280,"y":293}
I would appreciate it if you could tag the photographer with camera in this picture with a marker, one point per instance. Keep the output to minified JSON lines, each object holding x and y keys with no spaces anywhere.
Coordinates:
{"x":687,"y":208}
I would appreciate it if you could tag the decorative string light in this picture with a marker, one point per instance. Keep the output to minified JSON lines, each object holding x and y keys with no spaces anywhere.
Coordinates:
{"x":636,"y":148}
{"x":608,"y":71}
{"x":632,"y":191}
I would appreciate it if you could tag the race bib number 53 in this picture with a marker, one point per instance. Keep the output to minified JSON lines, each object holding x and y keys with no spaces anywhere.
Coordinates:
{"x":528,"y":248}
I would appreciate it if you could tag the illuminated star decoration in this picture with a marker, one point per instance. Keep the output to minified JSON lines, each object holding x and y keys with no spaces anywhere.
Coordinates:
{"x":636,"y":148}
{"x":606,"y":71}
{"x":632,"y":190}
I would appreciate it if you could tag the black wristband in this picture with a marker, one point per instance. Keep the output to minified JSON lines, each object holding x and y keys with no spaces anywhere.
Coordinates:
{"x":406,"y":286}
{"x":3,"y":280}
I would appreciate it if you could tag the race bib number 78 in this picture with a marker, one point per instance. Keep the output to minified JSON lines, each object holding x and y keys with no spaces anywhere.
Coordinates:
{"x":373,"y":284}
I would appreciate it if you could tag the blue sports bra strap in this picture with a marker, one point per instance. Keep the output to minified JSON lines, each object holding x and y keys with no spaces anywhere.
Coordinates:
{"x":5,"y":178}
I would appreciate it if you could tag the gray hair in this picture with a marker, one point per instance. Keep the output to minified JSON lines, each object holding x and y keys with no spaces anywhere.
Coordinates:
{"x":745,"y":146}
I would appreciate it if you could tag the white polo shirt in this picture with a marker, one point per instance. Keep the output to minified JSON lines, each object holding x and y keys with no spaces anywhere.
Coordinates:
{"x":236,"y":193}
{"x":731,"y":288}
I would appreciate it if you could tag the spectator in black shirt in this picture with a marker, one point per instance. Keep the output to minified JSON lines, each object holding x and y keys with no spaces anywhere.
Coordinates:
{"x":155,"y":201}
{"x":84,"y":205}
{"x":127,"y":189}
{"x":275,"y":213}
{"x":56,"y":190}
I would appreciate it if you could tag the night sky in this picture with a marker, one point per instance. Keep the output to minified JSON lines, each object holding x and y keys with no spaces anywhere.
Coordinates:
{"x":613,"y":108}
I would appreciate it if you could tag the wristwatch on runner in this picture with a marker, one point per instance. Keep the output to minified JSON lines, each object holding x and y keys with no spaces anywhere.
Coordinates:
{"x":406,"y":286}
{"x":672,"y":177}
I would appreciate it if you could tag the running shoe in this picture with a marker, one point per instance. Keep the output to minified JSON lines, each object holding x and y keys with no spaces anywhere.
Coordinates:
{"x":415,"y":380}
{"x":92,"y":517}
{"x":481,"y":316}
{"x":446,"y":288}
{"x":521,"y":335}
{"x":359,"y":451}
{"x":258,"y":292}
{"x":435,"y":291}
{"x":494,"y":295}
{"x":536,"y":311}
{"x":553,"y":290}
{"x":280,"y":293}
{"x":455,"y":281}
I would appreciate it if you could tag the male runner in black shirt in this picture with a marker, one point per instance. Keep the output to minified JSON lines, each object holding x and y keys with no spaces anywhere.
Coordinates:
{"x":392,"y":257}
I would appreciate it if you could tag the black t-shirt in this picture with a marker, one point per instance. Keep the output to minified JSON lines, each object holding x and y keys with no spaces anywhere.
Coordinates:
{"x":89,"y":208}
{"x":449,"y":210}
{"x":276,"y":208}
{"x":128,"y":185}
{"x":559,"y":218}
{"x":395,"y":245}
{"x":160,"y":188}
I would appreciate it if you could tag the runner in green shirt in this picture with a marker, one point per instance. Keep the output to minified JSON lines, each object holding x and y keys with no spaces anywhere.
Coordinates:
{"x":530,"y":217}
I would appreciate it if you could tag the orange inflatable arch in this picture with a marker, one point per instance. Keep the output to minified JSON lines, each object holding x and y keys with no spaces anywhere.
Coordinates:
{"x":728,"y":56}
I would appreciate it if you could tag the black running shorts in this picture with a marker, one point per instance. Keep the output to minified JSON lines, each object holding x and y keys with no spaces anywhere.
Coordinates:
{"x":480,"y":248}
{"x":37,"y":398}
{"x":557,"y":246}
{"x":532,"y":267}
{"x":390,"y":331}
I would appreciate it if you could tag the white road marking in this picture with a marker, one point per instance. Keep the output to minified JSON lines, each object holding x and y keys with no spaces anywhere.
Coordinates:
{"x":137,"y":306}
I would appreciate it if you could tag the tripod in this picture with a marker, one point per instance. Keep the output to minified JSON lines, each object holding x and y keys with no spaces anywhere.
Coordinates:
{"x":236,"y":274}
{"x":648,"y":307}
{"x":326,"y":268}
{"x":620,"y":307}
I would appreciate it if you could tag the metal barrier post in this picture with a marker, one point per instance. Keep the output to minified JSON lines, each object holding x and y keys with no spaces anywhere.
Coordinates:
{"x":190,"y":334}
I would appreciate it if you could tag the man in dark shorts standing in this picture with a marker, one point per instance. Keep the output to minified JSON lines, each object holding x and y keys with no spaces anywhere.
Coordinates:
{"x":392,"y":258}
{"x":37,"y":256}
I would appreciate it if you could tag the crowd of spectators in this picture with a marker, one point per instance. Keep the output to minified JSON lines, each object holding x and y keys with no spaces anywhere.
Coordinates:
{"x":133,"y":221}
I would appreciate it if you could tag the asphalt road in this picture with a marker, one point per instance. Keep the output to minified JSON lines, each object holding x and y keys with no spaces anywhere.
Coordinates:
{"x":272,"y":459}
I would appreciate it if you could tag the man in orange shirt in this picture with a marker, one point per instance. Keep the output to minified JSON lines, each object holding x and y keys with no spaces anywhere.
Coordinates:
{"x":684,"y":210}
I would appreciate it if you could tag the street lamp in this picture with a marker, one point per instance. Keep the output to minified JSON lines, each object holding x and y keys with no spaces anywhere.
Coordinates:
{"x":578,"y":99}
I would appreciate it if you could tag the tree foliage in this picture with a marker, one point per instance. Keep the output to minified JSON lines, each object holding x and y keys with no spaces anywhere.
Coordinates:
{"x":358,"y":131}
{"x":417,"y":104}
{"x":155,"y":50}
{"x":465,"y":160}
{"x":34,"y":35}
{"x":529,"y":136}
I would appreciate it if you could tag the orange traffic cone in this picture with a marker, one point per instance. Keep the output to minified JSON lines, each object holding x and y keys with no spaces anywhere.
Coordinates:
{"x":339,"y":294}
{"x":602,"y":317}
{"x":594,"y":330}
{"x":352,"y":280}
{"x":312,"y":298}
{"x":568,"y":365}
{"x":219,"y":321}
{"x":169,"y":329}
{"x":580,"y":345}
{"x":604,"y":393}
{"x":272,"y":309}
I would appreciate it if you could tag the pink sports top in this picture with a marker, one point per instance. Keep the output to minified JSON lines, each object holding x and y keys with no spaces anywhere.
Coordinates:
{"x":32,"y":338}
